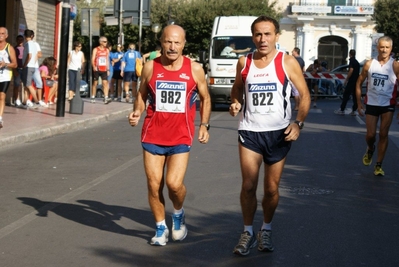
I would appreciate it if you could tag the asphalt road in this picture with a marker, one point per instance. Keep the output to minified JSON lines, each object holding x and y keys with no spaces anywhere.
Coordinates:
{"x":80,"y":199}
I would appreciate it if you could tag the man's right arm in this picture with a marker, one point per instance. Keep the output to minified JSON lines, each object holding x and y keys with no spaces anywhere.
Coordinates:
{"x":359,"y":82}
{"x":237,"y":89}
{"x":139,"y":103}
{"x":93,"y":59}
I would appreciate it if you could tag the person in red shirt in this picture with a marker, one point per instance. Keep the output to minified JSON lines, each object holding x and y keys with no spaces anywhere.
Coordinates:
{"x":171,"y":83}
{"x":100,"y":63}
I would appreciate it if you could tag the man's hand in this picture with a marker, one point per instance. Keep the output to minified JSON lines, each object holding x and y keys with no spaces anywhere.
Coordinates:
{"x":203,"y":135}
{"x":292,"y":132}
{"x":134,"y":118}
{"x":234,"y":109}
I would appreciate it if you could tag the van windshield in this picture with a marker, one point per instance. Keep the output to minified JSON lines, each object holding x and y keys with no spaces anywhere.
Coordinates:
{"x":227,"y":47}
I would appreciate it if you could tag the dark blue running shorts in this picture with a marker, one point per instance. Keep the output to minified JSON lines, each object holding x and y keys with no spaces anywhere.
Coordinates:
{"x":165,"y":150}
{"x":377,"y":110}
{"x":270,"y":144}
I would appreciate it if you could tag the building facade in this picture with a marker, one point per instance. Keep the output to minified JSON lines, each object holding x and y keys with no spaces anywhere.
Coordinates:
{"x":41,"y":16}
{"x":328,"y":29}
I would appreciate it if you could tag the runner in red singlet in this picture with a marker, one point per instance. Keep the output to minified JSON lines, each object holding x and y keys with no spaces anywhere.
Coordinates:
{"x":170,"y":83}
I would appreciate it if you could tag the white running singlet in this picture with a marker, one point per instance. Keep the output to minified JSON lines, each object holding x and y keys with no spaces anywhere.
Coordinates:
{"x":267,"y":104}
{"x":381,"y":84}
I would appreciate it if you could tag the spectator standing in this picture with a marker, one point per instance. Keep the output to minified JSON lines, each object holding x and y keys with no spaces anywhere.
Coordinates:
{"x":30,"y":65}
{"x":111,"y":70}
{"x":168,"y":129}
{"x":296,"y":53}
{"x":8,"y":61}
{"x":76,"y":62}
{"x":382,"y":75}
{"x":128,"y":71}
{"x":19,"y":52}
{"x":265,"y":132}
{"x":36,"y":75}
{"x":350,"y":84}
{"x":101,"y":65}
{"x":152,"y":55}
{"x":116,"y":77}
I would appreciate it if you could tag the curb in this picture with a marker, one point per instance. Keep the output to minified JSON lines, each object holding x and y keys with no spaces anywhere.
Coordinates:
{"x":60,"y":129}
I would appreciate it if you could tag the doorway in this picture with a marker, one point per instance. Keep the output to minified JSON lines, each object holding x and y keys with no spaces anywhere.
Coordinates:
{"x":333,"y":50}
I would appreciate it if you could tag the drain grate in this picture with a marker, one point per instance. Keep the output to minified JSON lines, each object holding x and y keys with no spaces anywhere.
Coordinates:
{"x":307,"y":191}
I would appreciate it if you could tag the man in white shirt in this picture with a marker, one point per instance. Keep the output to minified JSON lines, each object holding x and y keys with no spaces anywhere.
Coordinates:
{"x":37,"y":78}
{"x":29,"y":67}
{"x":231,"y":51}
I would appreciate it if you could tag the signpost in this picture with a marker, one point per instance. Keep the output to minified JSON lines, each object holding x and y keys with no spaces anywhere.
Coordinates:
{"x":139,"y":10}
{"x":90,"y":27}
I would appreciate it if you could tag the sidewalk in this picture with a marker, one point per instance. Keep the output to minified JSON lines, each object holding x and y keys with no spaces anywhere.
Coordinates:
{"x":25,"y":125}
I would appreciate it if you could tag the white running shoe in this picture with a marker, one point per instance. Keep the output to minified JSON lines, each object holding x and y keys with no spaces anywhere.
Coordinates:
{"x":29,"y":104}
{"x":161,"y":236}
{"x":18,"y":103}
{"x":179,"y":229}
{"x":42,"y":104}
{"x":93,"y":100}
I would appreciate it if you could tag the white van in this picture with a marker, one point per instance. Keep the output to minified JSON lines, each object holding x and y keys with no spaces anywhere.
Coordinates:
{"x":221,"y":69}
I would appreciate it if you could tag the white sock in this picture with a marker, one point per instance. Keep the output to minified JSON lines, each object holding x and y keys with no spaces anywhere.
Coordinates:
{"x":249,"y":228}
{"x":267,"y":226}
{"x":161,"y":223}
{"x":178,"y":212}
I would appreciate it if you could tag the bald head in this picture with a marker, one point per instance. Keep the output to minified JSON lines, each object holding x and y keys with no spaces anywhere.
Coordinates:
{"x":174,"y":30}
{"x":173,"y":40}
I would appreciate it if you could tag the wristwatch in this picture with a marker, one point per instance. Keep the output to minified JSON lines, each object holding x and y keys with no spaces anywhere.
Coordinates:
{"x":207,"y":126}
{"x":300,"y":124}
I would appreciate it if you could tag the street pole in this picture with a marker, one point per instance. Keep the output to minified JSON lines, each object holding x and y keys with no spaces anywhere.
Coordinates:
{"x":89,"y":69}
{"x":140,"y":23}
{"x":121,"y":35}
{"x":62,"y":74}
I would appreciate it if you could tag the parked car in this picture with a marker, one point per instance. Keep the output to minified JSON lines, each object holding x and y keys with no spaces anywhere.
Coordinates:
{"x":84,"y":89}
{"x":345,"y":69}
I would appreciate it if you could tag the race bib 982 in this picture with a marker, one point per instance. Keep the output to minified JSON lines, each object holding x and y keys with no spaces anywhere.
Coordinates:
{"x":170,"y":96}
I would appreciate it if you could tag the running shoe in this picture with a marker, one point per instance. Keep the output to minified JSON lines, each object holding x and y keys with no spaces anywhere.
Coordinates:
{"x":42,"y":104}
{"x":265,"y":241}
{"x":18,"y":103}
{"x":161,"y":236}
{"x":179,"y":229}
{"x":1,"y":123}
{"x":246,"y":242}
{"x":378,"y":171}
{"x":107,"y":100}
{"x":29,"y":104}
{"x":368,"y":157}
{"x":93,"y":100}
{"x":353,"y":113}
{"x":339,"y":112}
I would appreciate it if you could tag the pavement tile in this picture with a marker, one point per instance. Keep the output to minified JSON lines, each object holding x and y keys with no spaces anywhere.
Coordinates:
{"x":26,"y":125}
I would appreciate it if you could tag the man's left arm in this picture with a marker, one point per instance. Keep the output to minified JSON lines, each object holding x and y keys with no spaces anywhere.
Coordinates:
{"x":294,"y":73}
{"x":205,"y":101}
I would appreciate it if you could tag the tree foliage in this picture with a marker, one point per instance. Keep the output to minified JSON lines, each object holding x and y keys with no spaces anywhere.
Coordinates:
{"x":195,"y":16}
{"x":386,"y":17}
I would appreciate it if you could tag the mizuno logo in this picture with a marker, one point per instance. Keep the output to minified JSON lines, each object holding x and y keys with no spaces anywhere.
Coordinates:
{"x":263,"y":87}
{"x":171,"y":85}
{"x":160,"y":75}
{"x":379,"y":76}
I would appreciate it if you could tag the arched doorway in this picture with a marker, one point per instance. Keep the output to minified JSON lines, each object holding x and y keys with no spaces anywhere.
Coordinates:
{"x":333,"y":50}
